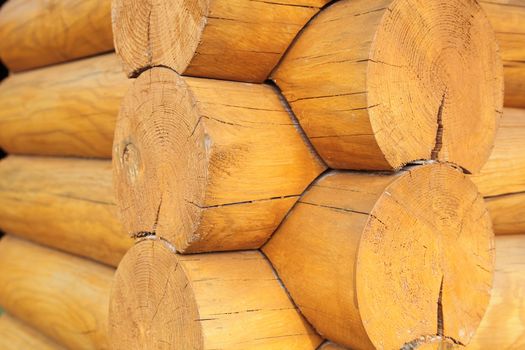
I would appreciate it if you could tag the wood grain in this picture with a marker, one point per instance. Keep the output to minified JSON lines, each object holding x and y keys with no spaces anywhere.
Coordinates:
{"x":239,"y":40}
{"x":44,"y":32}
{"x":504,"y":172}
{"x":63,"y":203}
{"x":15,"y":335}
{"x":376,"y":260}
{"x":206,"y":164}
{"x":162,"y":300}
{"x":507,"y":18}
{"x":396,"y":85}
{"x":507,"y":212}
{"x":66,"y":110}
{"x":503,"y":326}
{"x":62,"y":296}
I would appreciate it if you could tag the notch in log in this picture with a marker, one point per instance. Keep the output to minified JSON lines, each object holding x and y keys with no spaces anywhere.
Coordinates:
{"x":379,"y":84}
{"x":207,"y":164}
{"x":382,"y":260}
{"x":207,"y":301}
{"x":239,"y":40}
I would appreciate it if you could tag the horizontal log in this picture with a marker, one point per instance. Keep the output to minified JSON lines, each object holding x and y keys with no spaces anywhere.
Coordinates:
{"x":507,"y":212}
{"x":239,"y":40}
{"x":503,"y":327}
{"x":63,"y":203}
{"x":162,"y":300}
{"x":507,"y":18}
{"x":504,"y":172}
{"x":206,"y":164}
{"x":15,"y":335}
{"x":64,"y":110}
{"x":380,"y":93}
{"x":40,"y":33}
{"x":378,"y":260}
{"x":62,"y":296}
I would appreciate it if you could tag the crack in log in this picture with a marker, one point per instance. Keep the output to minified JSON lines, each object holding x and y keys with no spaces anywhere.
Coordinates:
{"x":439,"y":133}
{"x":440,"y":319}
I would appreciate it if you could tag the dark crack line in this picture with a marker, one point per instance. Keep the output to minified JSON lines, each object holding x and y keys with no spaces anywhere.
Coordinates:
{"x":440,"y":319}
{"x":439,"y":133}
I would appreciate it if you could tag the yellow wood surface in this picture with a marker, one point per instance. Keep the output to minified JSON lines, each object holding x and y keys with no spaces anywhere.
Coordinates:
{"x":507,"y":213}
{"x":63,"y":203}
{"x":376,"y":87}
{"x":15,"y":335}
{"x":503,"y":326}
{"x":58,"y":294}
{"x":368,"y":257}
{"x":161,"y":300}
{"x":508,"y":19}
{"x":67,"y":110}
{"x":38,"y":33}
{"x":224,"y":39}
{"x":207,"y":164}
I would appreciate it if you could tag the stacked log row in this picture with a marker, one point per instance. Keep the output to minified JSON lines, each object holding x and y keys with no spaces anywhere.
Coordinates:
{"x":55,"y":112}
{"x":202,"y":166}
{"x":63,"y":296}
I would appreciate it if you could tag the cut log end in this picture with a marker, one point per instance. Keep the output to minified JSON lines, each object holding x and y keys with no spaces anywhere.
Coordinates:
{"x":159,"y":159}
{"x":420,"y":241}
{"x":414,"y":85}
{"x":148,"y":35}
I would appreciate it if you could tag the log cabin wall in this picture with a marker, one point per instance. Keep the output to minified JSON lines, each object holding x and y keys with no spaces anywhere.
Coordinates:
{"x":261,"y":177}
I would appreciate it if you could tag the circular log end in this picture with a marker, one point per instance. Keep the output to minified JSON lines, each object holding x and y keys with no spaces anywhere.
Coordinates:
{"x":425,"y":261}
{"x":150,"y":33}
{"x":159,"y":158}
{"x":152,"y":305}
{"x":435,"y":83}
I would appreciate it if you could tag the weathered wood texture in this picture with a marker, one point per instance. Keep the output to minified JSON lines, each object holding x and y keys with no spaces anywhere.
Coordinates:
{"x":206,"y":164}
{"x":239,"y":40}
{"x":15,"y":335}
{"x":394,"y":87}
{"x":508,"y":18}
{"x":62,"y":296}
{"x":503,"y":326}
{"x":66,"y":110}
{"x":40,"y":33}
{"x":507,"y":213}
{"x":504,"y":172}
{"x":161,"y":300}
{"x":382,"y":261}
{"x":63,"y":203}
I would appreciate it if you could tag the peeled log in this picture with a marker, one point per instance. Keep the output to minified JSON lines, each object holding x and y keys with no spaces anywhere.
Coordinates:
{"x":508,"y":18}
{"x":503,"y":326}
{"x":405,"y":80}
{"x":382,"y":260}
{"x":504,"y":172}
{"x":507,"y":212}
{"x":40,"y":33}
{"x":239,"y":40}
{"x":208,"y":165}
{"x":162,"y":300}
{"x":64,"y":110}
{"x":15,"y":335}
{"x":60,"y":295}
{"x":63,"y":203}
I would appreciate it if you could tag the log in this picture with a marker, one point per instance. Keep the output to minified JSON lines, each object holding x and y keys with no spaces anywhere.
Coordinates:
{"x":404,"y":81}
{"x":330,"y":346}
{"x":504,"y":172}
{"x":239,"y":40}
{"x":507,"y":18}
{"x":507,"y":212}
{"x":41,"y":33}
{"x":379,"y":260}
{"x":64,"y":203}
{"x":15,"y":335}
{"x":503,"y":326}
{"x":162,"y":300}
{"x":62,"y":296}
{"x":206,"y":164}
{"x":64,"y":110}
